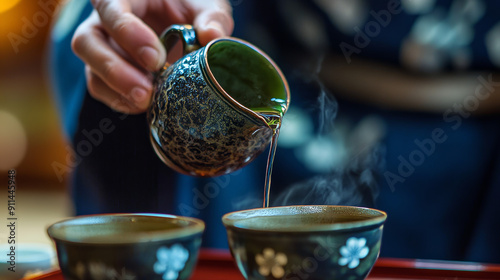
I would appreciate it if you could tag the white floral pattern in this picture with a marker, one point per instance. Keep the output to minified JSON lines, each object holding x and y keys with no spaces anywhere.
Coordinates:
{"x":353,"y":251}
{"x":271,"y":262}
{"x":171,"y":261}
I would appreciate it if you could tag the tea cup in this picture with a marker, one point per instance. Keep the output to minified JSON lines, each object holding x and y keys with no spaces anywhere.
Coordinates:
{"x":305,"y":242}
{"x":127,"y":246}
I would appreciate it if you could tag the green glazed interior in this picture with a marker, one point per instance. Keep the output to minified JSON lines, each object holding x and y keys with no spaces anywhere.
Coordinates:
{"x":124,"y":228}
{"x":304,"y":218}
{"x":248,"y":76}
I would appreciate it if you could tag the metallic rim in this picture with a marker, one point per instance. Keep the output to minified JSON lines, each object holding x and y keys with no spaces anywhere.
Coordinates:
{"x":230,"y":220}
{"x":218,"y":88}
{"x":196,"y":227}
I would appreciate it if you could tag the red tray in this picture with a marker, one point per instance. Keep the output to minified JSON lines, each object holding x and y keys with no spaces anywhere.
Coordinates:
{"x":218,"y":265}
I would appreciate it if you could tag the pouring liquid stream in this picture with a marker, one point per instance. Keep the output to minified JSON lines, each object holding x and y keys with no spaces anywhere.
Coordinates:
{"x":254,"y":82}
{"x":274,"y":122}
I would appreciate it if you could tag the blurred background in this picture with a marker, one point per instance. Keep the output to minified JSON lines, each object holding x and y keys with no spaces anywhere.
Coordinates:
{"x":30,"y":135}
{"x":31,"y":141}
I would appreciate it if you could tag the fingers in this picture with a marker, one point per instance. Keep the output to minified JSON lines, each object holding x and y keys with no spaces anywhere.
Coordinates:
{"x":93,"y":46}
{"x":120,"y":51}
{"x":131,"y":33}
{"x":99,"y":90}
{"x":212,"y":19}
{"x":213,"y":24}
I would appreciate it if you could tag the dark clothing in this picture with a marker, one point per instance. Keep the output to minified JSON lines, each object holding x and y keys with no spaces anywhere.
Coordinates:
{"x":437,"y":178}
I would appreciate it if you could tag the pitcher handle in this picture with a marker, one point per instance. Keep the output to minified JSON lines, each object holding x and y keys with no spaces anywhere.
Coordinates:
{"x":185,"y":33}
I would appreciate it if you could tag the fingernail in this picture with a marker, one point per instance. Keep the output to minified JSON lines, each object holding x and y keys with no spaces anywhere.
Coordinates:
{"x":138,"y":94}
{"x":217,"y":26}
{"x":150,"y":57}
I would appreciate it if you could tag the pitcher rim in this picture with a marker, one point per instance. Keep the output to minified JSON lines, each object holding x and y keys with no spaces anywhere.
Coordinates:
{"x":211,"y":78}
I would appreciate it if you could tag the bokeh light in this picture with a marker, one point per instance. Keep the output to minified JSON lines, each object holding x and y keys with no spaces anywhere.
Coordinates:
{"x":6,"y":5}
{"x":13,"y":141}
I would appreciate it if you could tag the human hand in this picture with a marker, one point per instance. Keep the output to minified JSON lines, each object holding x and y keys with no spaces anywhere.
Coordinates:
{"x":119,"y":44}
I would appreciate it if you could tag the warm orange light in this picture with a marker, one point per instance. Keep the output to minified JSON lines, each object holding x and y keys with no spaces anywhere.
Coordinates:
{"x":6,"y":5}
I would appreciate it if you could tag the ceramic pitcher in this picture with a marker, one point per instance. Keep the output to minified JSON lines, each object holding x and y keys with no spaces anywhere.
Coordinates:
{"x":214,"y":109}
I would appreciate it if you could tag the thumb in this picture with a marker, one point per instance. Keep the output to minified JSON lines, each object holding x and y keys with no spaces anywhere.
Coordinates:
{"x":213,"y":23}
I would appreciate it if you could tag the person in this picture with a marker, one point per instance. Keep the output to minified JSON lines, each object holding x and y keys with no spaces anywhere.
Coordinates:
{"x":388,"y":111}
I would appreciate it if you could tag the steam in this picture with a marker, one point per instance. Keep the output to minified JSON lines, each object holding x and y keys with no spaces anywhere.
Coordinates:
{"x":354,"y":184}
{"x":327,"y":103}
{"x":353,"y":179}
{"x":328,"y":109}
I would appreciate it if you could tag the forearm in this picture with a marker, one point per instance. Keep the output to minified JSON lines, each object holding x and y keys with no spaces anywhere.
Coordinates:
{"x":390,"y":87}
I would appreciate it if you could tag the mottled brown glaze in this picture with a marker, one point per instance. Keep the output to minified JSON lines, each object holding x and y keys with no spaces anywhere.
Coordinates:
{"x":194,"y":129}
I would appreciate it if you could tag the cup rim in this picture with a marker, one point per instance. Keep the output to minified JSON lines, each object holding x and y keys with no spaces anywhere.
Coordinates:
{"x":231,"y":220}
{"x":197,"y":226}
{"x":227,"y":96}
